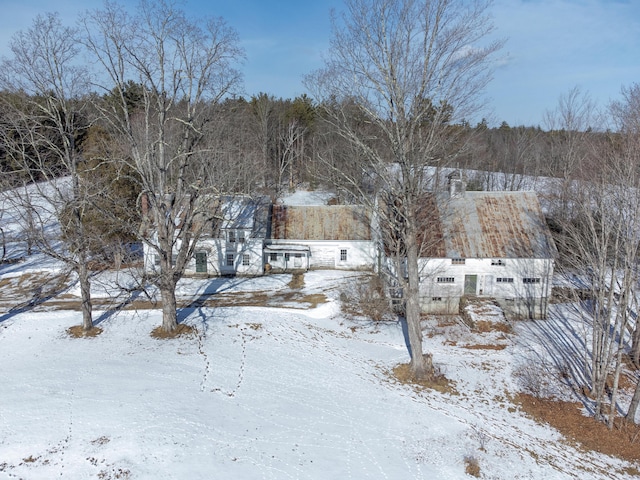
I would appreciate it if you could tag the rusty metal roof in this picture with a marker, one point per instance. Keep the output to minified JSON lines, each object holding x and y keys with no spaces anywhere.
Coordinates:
{"x":325,"y":222}
{"x":490,"y":225}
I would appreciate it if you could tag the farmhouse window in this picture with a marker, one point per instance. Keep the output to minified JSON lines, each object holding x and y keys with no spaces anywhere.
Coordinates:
{"x":457,"y":261}
{"x":245,"y":259}
{"x":273,"y":257}
{"x":286,"y":257}
{"x":531,"y":280}
{"x":241,"y":236}
{"x":156,"y":260}
{"x":230,"y":259}
{"x":436,"y":299}
{"x":504,"y":280}
{"x":499,"y":262}
{"x":231,"y":236}
{"x":343,"y":255}
{"x":445,"y":280}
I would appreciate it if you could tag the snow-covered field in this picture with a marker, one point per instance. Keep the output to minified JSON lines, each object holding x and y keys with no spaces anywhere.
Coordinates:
{"x":283,"y":387}
{"x":266,"y":393}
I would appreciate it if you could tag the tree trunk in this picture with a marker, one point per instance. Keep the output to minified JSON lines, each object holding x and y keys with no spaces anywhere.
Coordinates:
{"x":169,"y":308}
{"x":117,"y":259}
{"x":635,"y":348}
{"x":633,"y":406}
{"x":421,"y":365}
{"x":85,"y":292}
{"x":4,"y":245}
{"x":614,"y":391}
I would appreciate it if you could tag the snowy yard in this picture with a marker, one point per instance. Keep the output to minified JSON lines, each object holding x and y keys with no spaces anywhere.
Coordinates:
{"x":267,"y":392}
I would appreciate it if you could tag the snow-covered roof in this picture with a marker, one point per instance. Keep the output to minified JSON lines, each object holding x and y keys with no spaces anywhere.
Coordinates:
{"x":245,"y":213}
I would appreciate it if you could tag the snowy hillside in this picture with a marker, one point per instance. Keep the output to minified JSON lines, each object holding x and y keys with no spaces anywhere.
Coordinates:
{"x":267,"y":392}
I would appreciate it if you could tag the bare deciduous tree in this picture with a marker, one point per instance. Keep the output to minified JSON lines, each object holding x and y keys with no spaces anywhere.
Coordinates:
{"x":571,"y":145}
{"x":262,"y":107}
{"x":184,"y":67}
{"x":398,"y":74}
{"x":626,"y":117}
{"x":45,"y":116}
{"x":600,"y":228}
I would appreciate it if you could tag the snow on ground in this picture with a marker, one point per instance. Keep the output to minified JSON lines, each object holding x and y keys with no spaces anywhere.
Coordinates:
{"x":264,"y":393}
{"x":307,"y":197}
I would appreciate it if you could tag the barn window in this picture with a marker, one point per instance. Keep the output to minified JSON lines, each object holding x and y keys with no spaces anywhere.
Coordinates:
{"x":286,"y":257}
{"x":531,"y":280}
{"x":504,"y":280}
{"x":445,"y":280}
{"x":273,"y":257}
{"x":436,"y":299}
{"x":498,"y":262}
{"x":245,"y":259}
{"x":457,"y":261}
{"x":230,"y":259}
{"x":343,"y":255}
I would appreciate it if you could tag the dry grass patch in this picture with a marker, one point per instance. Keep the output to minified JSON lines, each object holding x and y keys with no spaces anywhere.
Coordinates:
{"x":486,"y":326}
{"x":66,"y":301}
{"x":258,"y":299}
{"x":442,"y":320}
{"x":297,"y":281}
{"x":182,"y":329}
{"x":314,"y":299}
{"x":623,"y":441}
{"x":472,"y":467}
{"x":491,"y":346}
{"x":78,"y":331}
{"x":439,"y":382}
{"x":626,"y":381}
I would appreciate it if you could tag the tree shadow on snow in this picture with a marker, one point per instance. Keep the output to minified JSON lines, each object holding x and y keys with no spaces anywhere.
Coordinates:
{"x":117,"y":308}
{"x":564,"y":344}
{"x":45,"y":291}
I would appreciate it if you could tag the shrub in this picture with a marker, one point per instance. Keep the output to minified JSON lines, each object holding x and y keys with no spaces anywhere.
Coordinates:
{"x":472,"y":467}
{"x":367,"y":298}
{"x":531,"y":379}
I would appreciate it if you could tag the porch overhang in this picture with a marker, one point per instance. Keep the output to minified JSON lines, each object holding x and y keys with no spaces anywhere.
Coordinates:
{"x":287,"y":249}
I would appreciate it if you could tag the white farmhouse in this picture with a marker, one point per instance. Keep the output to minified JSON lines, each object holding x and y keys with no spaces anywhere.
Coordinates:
{"x":316,"y":237}
{"x":233,"y":241}
{"x":487,"y":244}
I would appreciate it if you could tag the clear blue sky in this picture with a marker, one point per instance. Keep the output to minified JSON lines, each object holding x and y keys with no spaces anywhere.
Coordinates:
{"x":552,"y":46}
